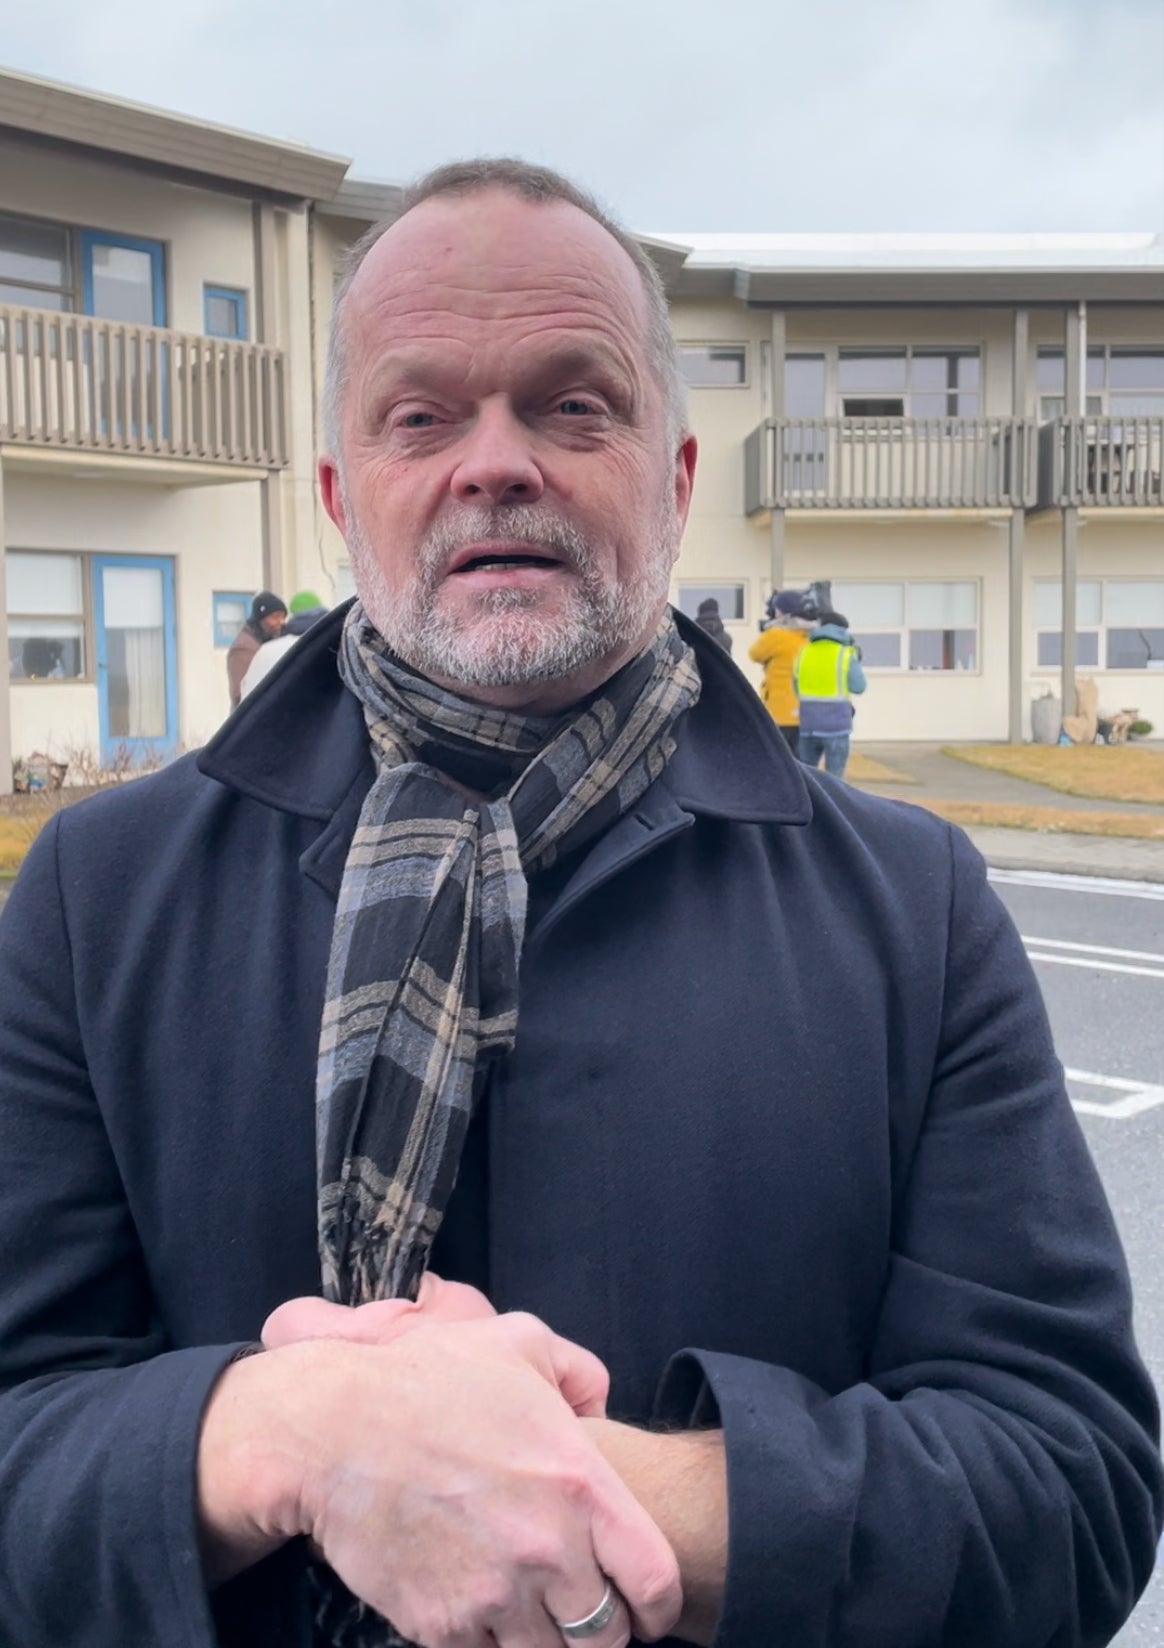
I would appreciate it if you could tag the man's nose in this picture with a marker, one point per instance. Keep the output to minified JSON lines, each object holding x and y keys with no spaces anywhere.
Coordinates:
{"x":496,"y":464}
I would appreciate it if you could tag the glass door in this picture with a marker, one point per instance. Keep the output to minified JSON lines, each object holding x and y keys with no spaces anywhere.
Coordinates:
{"x":123,"y":279}
{"x":133,"y":604}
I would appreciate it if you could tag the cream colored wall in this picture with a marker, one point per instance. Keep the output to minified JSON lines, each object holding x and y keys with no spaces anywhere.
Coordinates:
{"x":1112,"y":548}
{"x":209,"y":237}
{"x":54,"y":720}
{"x":921,"y":704}
{"x":214,"y":537}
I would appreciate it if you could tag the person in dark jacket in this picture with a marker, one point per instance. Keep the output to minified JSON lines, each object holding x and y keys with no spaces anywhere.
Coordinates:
{"x":268,"y":615}
{"x":412,"y":1207}
{"x":712,"y":624}
{"x":305,"y":608}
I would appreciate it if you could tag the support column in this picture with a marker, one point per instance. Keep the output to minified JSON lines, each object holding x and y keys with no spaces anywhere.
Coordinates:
{"x":1020,"y":348}
{"x":776,"y":448}
{"x":5,"y":688}
{"x":270,"y":328}
{"x":274,"y":560}
{"x":1075,"y":389}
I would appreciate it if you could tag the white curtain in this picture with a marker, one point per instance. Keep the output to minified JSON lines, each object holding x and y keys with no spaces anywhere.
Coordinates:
{"x":145,"y":672}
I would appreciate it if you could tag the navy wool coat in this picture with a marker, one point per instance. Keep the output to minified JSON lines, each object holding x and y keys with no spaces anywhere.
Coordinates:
{"x":783,"y":1140}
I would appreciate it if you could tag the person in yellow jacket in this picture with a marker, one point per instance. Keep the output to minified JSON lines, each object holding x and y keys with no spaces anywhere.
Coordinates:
{"x":778,"y":649}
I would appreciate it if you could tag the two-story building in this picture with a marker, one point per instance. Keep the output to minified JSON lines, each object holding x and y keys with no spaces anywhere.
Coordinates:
{"x":945,"y":429}
{"x":963,"y":436}
{"x":155,"y":459}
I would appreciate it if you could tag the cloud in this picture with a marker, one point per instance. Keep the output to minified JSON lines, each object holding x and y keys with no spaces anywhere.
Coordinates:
{"x":681,"y":114}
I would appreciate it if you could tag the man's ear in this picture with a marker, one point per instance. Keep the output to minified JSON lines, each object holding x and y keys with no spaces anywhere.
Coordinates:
{"x":332,"y":492}
{"x":685,"y":457}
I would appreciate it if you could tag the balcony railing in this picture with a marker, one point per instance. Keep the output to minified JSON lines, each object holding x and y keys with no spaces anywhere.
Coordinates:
{"x":79,"y":384}
{"x":1101,"y":462}
{"x":890,"y":463}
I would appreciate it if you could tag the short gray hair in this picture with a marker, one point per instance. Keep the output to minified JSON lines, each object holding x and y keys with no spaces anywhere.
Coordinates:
{"x":541,"y":185}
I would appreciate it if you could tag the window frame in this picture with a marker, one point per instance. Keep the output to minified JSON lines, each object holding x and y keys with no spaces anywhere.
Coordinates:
{"x":716,"y":343}
{"x":71,"y":292}
{"x":1135,"y":672}
{"x":708,"y":586}
{"x":85,"y":616}
{"x":1097,"y":402}
{"x":236,"y":295}
{"x":835,"y":396}
{"x":904,"y":629}
{"x":217,"y":595}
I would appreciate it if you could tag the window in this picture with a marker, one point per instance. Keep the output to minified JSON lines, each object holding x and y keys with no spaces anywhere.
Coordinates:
{"x":224,"y":311}
{"x":1119,"y":623}
{"x":36,"y":264}
{"x":1121,"y":381}
{"x":915,"y":626}
{"x":229,"y":609}
{"x":920,"y":382}
{"x":714,"y":365}
{"x":729,"y":596}
{"x":46,"y":617}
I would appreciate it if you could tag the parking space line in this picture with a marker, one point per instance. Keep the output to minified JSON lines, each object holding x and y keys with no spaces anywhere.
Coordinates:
{"x":1137,"y":1096}
{"x":1058,"y":882}
{"x":1099,"y":966}
{"x":1093,"y":949}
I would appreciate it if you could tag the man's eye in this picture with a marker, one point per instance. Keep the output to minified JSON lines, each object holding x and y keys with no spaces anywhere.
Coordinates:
{"x":417,"y":420}
{"x":574,"y":408}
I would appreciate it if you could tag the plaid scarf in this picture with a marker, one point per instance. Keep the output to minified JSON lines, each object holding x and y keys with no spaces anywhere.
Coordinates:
{"x":422,"y":977}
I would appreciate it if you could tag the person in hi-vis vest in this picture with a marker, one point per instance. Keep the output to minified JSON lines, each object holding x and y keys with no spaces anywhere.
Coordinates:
{"x":828,"y":673}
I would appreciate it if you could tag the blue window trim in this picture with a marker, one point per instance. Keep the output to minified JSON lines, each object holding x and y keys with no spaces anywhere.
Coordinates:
{"x":221,"y":638}
{"x":157,"y":252}
{"x":165,"y":743}
{"x":232,"y":295}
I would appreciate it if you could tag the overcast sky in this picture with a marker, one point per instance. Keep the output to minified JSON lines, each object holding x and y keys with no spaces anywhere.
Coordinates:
{"x":681,"y":114}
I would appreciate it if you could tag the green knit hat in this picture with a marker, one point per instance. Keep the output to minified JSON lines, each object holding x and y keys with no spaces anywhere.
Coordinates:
{"x":304,"y":601}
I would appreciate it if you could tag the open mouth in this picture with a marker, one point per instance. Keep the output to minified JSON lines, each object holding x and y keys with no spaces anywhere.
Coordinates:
{"x":505,"y":560}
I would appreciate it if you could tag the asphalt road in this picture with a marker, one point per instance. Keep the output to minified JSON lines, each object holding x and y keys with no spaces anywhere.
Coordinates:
{"x":1099,"y":957}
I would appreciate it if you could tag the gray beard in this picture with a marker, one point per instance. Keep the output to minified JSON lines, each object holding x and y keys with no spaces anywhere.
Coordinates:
{"x":509,"y":641}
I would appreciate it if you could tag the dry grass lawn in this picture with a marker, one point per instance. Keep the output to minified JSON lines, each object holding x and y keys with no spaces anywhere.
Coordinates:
{"x":1050,"y":820}
{"x":16,"y":837}
{"x":1101,"y":772}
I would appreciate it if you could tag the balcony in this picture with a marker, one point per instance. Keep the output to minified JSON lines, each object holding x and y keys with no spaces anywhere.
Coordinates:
{"x":77,"y":384}
{"x":890,"y":463}
{"x":1101,"y":463}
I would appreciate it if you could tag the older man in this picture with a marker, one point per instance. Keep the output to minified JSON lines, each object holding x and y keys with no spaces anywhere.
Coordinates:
{"x":639,"y":1297}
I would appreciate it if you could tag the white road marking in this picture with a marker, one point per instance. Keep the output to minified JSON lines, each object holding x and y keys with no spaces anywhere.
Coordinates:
{"x":1093,"y":949}
{"x":1137,"y":1096}
{"x":1099,"y":966}
{"x":1055,"y":881}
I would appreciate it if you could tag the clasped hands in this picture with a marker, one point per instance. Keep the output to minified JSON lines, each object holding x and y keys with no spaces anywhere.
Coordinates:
{"x":446,"y":1461}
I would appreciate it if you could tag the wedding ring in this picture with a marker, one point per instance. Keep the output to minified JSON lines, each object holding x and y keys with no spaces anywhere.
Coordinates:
{"x":593,"y":1623}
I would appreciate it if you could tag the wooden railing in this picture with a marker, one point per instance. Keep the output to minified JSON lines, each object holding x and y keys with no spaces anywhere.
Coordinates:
{"x":80,"y":384}
{"x":890,"y":463}
{"x":1102,"y":462}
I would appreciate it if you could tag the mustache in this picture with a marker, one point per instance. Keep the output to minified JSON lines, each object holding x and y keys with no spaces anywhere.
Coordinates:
{"x":537,"y":525}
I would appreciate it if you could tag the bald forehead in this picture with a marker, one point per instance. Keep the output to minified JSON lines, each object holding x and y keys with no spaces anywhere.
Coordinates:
{"x":489,"y":243}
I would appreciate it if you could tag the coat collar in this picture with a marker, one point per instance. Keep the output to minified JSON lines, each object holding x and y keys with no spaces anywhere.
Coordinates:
{"x":298,"y":742}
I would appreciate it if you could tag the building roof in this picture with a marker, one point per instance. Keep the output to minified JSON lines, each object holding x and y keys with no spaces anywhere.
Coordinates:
{"x":910,"y":268}
{"x":90,"y":120}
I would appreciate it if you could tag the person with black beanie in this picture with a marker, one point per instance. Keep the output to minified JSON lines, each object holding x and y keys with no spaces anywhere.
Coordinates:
{"x":268,"y":615}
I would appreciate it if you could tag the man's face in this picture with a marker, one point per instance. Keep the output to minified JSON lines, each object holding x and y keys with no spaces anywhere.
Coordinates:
{"x":272,"y":624}
{"x":510,"y":496}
